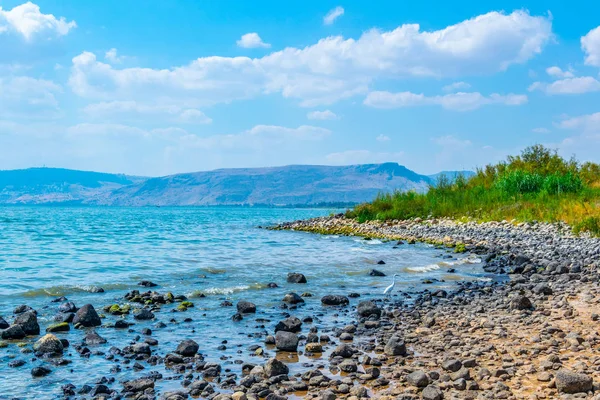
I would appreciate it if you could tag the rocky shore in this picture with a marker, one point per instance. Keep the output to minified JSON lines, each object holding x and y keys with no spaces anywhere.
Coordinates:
{"x":533,"y":337}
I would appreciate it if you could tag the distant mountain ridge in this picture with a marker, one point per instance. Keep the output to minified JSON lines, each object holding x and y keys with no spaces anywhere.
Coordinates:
{"x":288,"y":185}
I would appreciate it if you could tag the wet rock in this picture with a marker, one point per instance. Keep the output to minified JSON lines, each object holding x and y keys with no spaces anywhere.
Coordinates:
{"x":38,"y":372}
{"x":245,"y":307}
{"x":87,"y":316}
{"x":13,"y":332}
{"x":60,"y":327}
{"x":16,"y":363}
{"x":376,"y":272}
{"x":48,"y":346}
{"x":28,"y":322}
{"x":291,"y":324}
{"x":93,"y":339}
{"x":286,"y":341}
{"x":143,"y":314}
{"x":418,"y":379}
{"x":96,"y":289}
{"x":294,"y":277}
{"x":147,"y":284}
{"x":367,"y":308}
{"x":67,"y":307}
{"x":3,"y":323}
{"x":64,"y":317}
{"x":22,"y":308}
{"x":187,"y":348}
{"x":293,"y":298}
{"x":237,"y":317}
{"x":343,"y":350}
{"x":313,"y":348}
{"x":395,"y":347}
{"x":274,"y":367}
{"x":571,"y":382}
{"x":138,"y":385}
{"x":335,"y":300}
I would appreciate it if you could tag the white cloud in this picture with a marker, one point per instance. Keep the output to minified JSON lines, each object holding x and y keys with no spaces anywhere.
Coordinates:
{"x":26,"y":97}
{"x":456,"y":86}
{"x":111,"y":56}
{"x":332,"y":69}
{"x":27,"y":21}
{"x":332,"y":15}
{"x":579,"y":85}
{"x":454,"y":101}
{"x":590,"y":44}
{"x":540,"y":130}
{"x":451,"y":142}
{"x":362,"y":157}
{"x":322,"y":115}
{"x":589,"y":123}
{"x":135,"y":110}
{"x":252,"y":41}
{"x":383,"y":138}
{"x":558,"y":73}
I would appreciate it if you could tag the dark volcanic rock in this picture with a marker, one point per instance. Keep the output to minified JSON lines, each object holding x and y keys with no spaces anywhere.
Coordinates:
{"x":274,"y":367}
{"x":187,"y":348}
{"x":28,"y":322}
{"x":138,"y":385}
{"x":286,"y":341}
{"x":147,"y":284}
{"x":245,"y":307}
{"x":3,"y":323}
{"x":38,"y":372}
{"x":291,"y":324}
{"x":367,"y":308}
{"x":376,"y":272}
{"x":87,"y":316}
{"x":67,"y":307}
{"x":13,"y":332}
{"x":143,"y":314}
{"x":294,"y":277}
{"x":335,"y":300}
{"x":292,"y":298}
{"x":520,"y":303}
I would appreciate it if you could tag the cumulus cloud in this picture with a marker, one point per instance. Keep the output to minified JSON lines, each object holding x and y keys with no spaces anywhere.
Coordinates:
{"x":112,"y":57}
{"x":322,"y":115}
{"x":28,"y":21}
{"x":334,"y":68}
{"x":383,"y":138}
{"x":589,"y":123}
{"x":134,"y":110}
{"x":579,"y":85}
{"x":590,"y":44}
{"x":454,"y":101}
{"x":252,"y":41}
{"x":26,"y":97}
{"x":332,"y":15}
{"x":557,"y":72}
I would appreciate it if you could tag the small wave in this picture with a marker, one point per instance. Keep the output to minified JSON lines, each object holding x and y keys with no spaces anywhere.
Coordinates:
{"x":461,"y":261}
{"x":227,"y":290}
{"x":63,"y":290}
{"x":424,"y":268}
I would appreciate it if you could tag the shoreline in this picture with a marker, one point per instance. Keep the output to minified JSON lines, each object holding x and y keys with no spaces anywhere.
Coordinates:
{"x":533,"y":336}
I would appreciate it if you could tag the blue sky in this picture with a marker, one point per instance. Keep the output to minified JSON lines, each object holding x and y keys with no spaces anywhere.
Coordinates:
{"x":160,"y":87}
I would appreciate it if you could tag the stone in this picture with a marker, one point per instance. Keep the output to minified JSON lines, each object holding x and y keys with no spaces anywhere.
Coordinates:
{"x":38,"y":372}
{"x":343,"y":350}
{"x":291,"y":324}
{"x":432,"y":393}
{"x":146,"y":283}
{"x":293,"y":298}
{"x":286,"y":341}
{"x":143,"y":314}
{"x":418,"y":379}
{"x":3,"y":323}
{"x":367,"y":308}
{"x":572,"y":382}
{"x":452,"y":365}
{"x":67,"y":307}
{"x":395,"y":347}
{"x":313,"y":348}
{"x":294,"y":277}
{"x":28,"y":322}
{"x":13,"y":332}
{"x":187,"y":348}
{"x":335,"y":300}
{"x":48,"y":346}
{"x":87,"y":316}
{"x":376,"y":272}
{"x":93,"y":339}
{"x":245,"y":307}
{"x":138,"y":385}
{"x":520,"y":303}
{"x":274,"y":367}
{"x":59,"y":327}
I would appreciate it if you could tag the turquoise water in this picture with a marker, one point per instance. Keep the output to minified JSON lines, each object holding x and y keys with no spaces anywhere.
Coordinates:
{"x":220,"y":252}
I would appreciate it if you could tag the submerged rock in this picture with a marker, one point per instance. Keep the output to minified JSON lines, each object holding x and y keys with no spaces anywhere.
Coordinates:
{"x":335,"y":300}
{"x":294,"y":277}
{"x":187,"y":348}
{"x":245,"y":307}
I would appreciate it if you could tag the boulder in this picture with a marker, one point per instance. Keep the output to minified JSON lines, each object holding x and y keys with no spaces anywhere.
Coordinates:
{"x":28,"y":322}
{"x":187,"y":348}
{"x":13,"y":332}
{"x":432,"y":393}
{"x":376,"y":272}
{"x":335,"y":300}
{"x":294,"y":277}
{"x":343,"y":350}
{"x":395,"y":347}
{"x":274,"y":367}
{"x":571,"y":382}
{"x":291,"y":324}
{"x":143,"y":314}
{"x":418,"y":379}
{"x":4,"y":324}
{"x":93,"y":339}
{"x":292,"y":298}
{"x":245,"y":307}
{"x":67,"y":307}
{"x":286,"y":341}
{"x":367,"y":308}
{"x":59,"y":327}
{"x":48,"y":346}
{"x":520,"y":303}
{"x":138,"y":385}
{"x":38,"y":372}
{"x":87,"y":316}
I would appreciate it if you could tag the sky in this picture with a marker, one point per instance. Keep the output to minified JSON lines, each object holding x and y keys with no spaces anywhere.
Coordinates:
{"x":159,"y":87}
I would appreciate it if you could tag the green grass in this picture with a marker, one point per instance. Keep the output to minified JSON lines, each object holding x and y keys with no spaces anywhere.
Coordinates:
{"x":537,"y":185}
